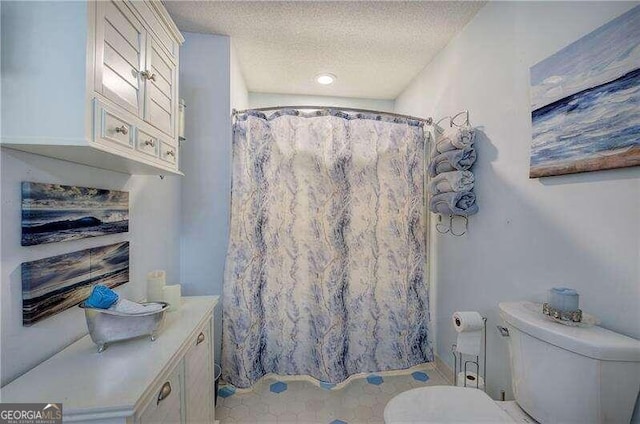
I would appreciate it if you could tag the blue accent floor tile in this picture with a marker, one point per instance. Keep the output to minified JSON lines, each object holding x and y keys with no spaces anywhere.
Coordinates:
{"x":278,"y":387}
{"x":226,"y":391}
{"x":420,"y":376}
{"x":327,"y":386}
{"x":375,"y":379}
{"x":338,"y":422}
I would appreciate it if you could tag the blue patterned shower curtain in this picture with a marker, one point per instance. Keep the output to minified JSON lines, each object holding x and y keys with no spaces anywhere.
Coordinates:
{"x":325,"y":272}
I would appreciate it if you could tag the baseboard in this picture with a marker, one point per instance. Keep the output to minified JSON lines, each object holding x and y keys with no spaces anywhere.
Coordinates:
{"x":444,"y":369}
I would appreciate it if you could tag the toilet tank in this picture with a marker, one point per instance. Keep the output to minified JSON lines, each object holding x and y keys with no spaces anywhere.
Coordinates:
{"x":563,"y":374}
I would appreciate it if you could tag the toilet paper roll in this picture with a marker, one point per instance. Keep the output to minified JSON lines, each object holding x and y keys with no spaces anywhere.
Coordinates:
{"x":472,"y":379}
{"x":155,"y":283}
{"x":469,"y":326}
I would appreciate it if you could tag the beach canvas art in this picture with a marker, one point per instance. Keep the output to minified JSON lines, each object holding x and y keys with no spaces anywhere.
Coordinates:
{"x":57,"y":283}
{"x":53,"y":212}
{"x":585,"y":102}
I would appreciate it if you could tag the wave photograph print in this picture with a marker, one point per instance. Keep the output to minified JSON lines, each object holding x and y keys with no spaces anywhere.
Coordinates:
{"x":585,"y":102}
{"x":54,"y":284}
{"x":53,"y":213}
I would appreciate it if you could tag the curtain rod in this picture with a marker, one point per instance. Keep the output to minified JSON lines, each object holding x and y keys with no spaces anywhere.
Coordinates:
{"x":427,"y":121}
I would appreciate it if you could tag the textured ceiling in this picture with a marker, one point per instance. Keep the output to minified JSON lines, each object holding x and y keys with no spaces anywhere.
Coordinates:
{"x":375,"y":48}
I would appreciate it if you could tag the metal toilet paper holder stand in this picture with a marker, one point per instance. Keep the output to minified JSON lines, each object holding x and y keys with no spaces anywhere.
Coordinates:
{"x":468,"y":364}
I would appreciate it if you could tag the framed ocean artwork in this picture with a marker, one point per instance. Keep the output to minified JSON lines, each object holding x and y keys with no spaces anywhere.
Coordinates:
{"x":54,"y":284}
{"x":53,"y":212}
{"x":585,"y":102}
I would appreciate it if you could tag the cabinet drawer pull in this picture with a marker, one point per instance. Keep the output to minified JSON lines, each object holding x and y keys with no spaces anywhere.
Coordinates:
{"x":170,"y":153}
{"x":124,"y":130}
{"x":150,"y":143}
{"x":165,"y":391}
{"x":200,"y":339}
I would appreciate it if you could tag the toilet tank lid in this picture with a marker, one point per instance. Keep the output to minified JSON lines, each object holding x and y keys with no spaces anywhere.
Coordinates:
{"x":593,"y":342}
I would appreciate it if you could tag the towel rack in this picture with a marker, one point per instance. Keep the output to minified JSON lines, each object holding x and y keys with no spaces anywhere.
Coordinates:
{"x":452,"y":120}
{"x":442,"y":229}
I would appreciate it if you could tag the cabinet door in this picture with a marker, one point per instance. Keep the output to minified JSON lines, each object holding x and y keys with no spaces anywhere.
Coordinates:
{"x":199,"y":379}
{"x":165,"y":406}
{"x":120,"y":56}
{"x":161,"y":89}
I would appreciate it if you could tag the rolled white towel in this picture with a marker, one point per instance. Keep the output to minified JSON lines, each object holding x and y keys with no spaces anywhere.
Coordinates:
{"x":454,"y":203}
{"x":455,"y":138}
{"x":128,"y":307}
{"x":453,"y":160}
{"x":451,"y":181}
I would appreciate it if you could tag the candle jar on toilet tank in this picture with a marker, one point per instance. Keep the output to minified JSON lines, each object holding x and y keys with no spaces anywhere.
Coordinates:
{"x":564,"y":299}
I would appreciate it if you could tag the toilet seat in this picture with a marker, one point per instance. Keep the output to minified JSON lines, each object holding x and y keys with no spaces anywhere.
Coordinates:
{"x":444,"y":404}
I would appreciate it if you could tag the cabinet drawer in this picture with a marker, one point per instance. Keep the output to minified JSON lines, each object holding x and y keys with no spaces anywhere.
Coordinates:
{"x":168,"y":153}
{"x":147,"y":144}
{"x":113,"y":128}
{"x":166,"y":405}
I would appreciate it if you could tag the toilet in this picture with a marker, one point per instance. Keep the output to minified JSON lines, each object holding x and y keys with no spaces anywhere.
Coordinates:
{"x":560,"y":374}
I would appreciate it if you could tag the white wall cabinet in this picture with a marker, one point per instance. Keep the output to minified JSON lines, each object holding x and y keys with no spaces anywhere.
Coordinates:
{"x":161,"y":103}
{"x":137,"y":381}
{"x":120,"y":56}
{"x":92,"y":82}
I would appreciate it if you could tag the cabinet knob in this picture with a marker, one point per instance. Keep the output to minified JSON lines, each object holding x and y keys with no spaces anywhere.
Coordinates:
{"x":165,"y":391}
{"x":200,"y":339}
{"x":150,"y":143}
{"x":170,"y":153}
{"x":124,"y":130}
{"x":148,"y":75}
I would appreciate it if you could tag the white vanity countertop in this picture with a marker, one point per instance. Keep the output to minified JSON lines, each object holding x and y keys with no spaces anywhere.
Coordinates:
{"x":112,"y":382}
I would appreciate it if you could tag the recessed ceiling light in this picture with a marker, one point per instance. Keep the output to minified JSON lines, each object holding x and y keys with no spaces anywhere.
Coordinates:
{"x":325,"y":79}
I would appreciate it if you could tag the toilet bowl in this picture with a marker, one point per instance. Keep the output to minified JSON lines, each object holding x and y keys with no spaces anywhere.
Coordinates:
{"x":582,"y":375}
{"x":444,"y":404}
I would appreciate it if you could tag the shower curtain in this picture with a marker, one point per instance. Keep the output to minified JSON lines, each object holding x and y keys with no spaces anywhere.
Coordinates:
{"x":325,"y":272}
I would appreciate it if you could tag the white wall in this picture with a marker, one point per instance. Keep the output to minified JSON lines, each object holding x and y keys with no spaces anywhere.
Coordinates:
{"x":581,"y":231}
{"x":153,"y":235}
{"x":257,"y":100}
{"x":211,"y":84}
{"x":204,"y":84}
{"x":239,"y":94}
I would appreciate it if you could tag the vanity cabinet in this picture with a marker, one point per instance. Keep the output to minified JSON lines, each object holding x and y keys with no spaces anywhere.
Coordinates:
{"x":165,"y":406}
{"x":85,"y":81}
{"x":167,"y":381}
{"x":198,"y":369}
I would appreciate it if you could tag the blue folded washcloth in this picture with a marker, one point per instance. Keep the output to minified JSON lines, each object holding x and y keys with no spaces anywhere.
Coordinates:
{"x":454,"y":203}
{"x":101,"y":297}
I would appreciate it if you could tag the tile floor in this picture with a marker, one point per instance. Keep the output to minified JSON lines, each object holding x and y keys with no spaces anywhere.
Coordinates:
{"x":281,"y":401}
